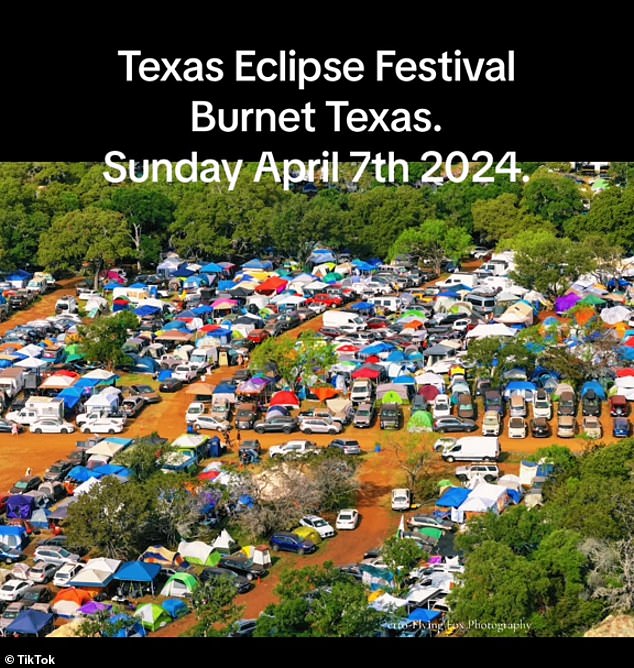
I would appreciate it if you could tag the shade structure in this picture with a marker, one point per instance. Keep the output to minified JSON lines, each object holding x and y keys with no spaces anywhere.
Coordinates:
{"x":29,"y":623}
{"x":365,"y":372}
{"x":202,"y":389}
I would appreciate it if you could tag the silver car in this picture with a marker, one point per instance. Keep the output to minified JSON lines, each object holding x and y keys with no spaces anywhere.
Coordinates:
{"x":320,"y":425}
{"x":364,"y":416}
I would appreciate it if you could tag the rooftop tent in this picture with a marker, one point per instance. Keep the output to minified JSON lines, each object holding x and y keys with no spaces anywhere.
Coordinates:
{"x":180,"y":585}
{"x":565,"y":303}
{"x":175,"y":608}
{"x":152,"y":616}
{"x":157,"y":554}
{"x":225,"y":543}
{"x":285,"y":398}
{"x":30,"y":623}
{"x":198,"y":552}
{"x":20,"y":506}
{"x":420,"y":421}
{"x":594,"y":386}
{"x":453,"y":498}
{"x":423,"y":616}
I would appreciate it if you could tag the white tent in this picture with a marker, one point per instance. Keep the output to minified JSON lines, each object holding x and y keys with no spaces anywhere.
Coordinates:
{"x":91,"y":578}
{"x":107,"y":448}
{"x":625,"y":386}
{"x":289,"y":300}
{"x":31,"y":350}
{"x":611,"y":316}
{"x":100,"y":374}
{"x":107,"y":398}
{"x":316,"y":285}
{"x":85,"y":486}
{"x":484,"y":331}
{"x":428,"y":378}
{"x":57,"y":381}
{"x":510,"y":481}
{"x":65,"y":609}
{"x":224,"y":542}
{"x":104,"y":564}
{"x":195,"y":551}
{"x":387,"y":602}
{"x":31,"y":363}
{"x":485,"y":497}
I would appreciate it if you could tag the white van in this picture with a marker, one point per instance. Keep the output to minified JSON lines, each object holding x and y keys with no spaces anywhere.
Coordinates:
{"x":401,"y":499}
{"x":346,"y":321}
{"x":391,"y":302}
{"x":473,"y":449}
{"x":482,"y":303}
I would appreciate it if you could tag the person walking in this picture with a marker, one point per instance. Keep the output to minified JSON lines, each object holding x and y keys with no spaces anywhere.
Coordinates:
{"x":15,"y":430}
{"x":28,"y":471}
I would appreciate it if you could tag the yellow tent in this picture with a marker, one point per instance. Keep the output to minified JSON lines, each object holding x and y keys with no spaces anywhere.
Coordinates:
{"x":307,"y":532}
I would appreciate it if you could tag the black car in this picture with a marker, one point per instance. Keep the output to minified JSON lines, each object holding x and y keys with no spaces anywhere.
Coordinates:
{"x":540,"y":428}
{"x":493,"y":401}
{"x":288,"y":321}
{"x":214,"y":574}
{"x":278,"y":423}
{"x":78,"y":457}
{"x":35,"y":594}
{"x":450,"y":424}
{"x":243,"y":567}
{"x":58,"y":470}
{"x":26,"y":484}
{"x":330,"y":332}
{"x":171,"y":385}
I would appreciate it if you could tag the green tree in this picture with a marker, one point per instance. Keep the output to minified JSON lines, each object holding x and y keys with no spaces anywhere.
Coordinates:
{"x":503,"y":218}
{"x":102,"y":339}
{"x":335,"y":480}
{"x":552,"y":197}
{"x":113,"y":518}
{"x":92,"y":236}
{"x":175,"y":511}
{"x":400,"y":556}
{"x":433,"y":241}
{"x":215,"y":608}
{"x":143,"y":458}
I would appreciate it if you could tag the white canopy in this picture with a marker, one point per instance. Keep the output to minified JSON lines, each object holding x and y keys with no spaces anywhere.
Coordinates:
{"x":31,"y":363}
{"x":106,"y":448}
{"x":429,"y":378}
{"x":31,"y":350}
{"x":484,"y":497}
{"x":57,"y":381}
{"x":104,"y":564}
{"x":484,"y":331}
{"x":90,"y":577}
{"x":100,"y":374}
{"x":104,"y":399}
{"x":611,"y":316}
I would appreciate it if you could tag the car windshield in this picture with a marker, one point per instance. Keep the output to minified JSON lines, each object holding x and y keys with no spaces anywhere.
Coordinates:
{"x":363,"y":413}
{"x":10,"y":614}
{"x":30,"y":595}
{"x":144,"y":388}
{"x":21,"y":484}
{"x":319,"y":523}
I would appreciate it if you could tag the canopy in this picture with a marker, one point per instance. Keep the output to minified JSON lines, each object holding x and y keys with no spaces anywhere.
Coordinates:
{"x":424,"y":616}
{"x":323,"y":393}
{"x":453,"y":498}
{"x":93,"y":608}
{"x":29,"y":622}
{"x":366,"y":372}
{"x":496,"y":330}
{"x":137,"y":571}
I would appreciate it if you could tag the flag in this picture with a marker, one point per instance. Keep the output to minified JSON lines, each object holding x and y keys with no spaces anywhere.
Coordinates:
{"x":401,"y":527}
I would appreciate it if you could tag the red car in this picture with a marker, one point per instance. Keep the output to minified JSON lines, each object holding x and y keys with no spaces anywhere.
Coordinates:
{"x":377,"y":323}
{"x":331,"y":301}
{"x":258,"y":335}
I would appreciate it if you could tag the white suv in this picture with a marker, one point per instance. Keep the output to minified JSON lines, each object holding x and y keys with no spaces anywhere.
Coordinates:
{"x":488,"y":472}
{"x":320,"y":425}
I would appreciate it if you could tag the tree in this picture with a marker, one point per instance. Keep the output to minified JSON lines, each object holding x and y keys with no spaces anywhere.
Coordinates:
{"x":552,"y":197}
{"x":143,"y":458}
{"x":611,"y":578}
{"x":102,"y":339}
{"x":101,"y":625}
{"x":113,"y":518}
{"x":546,"y":263}
{"x":414,"y":457}
{"x":215,"y":608}
{"x":400,"y":556}
{"x":335,"y":480}
{"x":92,"y":236}
{"x":433,"y":241}
{"x":503,"y":218}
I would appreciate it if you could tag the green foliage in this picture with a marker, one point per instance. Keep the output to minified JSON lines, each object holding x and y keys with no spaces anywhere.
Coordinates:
{"x":101,"y":626}
{"x":565,"y":462}
{"x":215,"y":609}
{"x":401,"y":555}
{"x":143,"y":458}
{"x":503,"y":218}
{"x":552,"y":197}
{"x":102,"y":339}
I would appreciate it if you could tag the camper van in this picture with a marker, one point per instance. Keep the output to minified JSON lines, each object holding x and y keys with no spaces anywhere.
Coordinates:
{"x":390,"y":302}
{"x":482,"y":303}
{"x":473,"y":449}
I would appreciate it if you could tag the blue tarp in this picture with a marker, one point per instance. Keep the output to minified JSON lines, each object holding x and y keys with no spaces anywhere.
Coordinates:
{"x":137,"y":571}
{"x":85,"y":382}
{"x":514,"y":495}
{"x":453,"y":497}
{"x":520,"y":385}
{"x":71,"y":397}
{"x":404,"y":380}
{"x":212,"y":268}
{"x":29,"y":622}
{"x":80,"y":474}
{"x":146,"y":310}
{"x":395,"y":356}
{"x":175,"y":608}
{"x":5,"y":530}
{"x":139,"y":286}
{"x":219,"y":333}
{"x":257,"y":264}
{"x":377,"y":348}
{"x":145,"y":364}
{"x":362,"y":306}
{"x":202,"y":310}
{"x":595,"y":386}
{"x":111,"y":469}
{"x":226,"y":285}
{"x":111,"y":286}
{"x":225,"y":388}
{"x":423,"y":615}
{"x":174,"y":324}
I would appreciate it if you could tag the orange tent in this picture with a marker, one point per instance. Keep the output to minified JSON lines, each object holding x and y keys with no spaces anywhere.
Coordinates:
{"x":324,"y":393}
{"x":584,"y":315}
{"x":79,"y":596}
{"x":413,"y":324}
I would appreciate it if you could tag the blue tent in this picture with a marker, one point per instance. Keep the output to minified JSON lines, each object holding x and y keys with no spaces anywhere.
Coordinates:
{"x":404,"y":380}
{"x":144,"y":364}
{"x":362,"y":266}
{"x":126,"y":631}
{"x":226,"y":285}
{"x":18,"y":533}
{"x":137,"y":571}
{"x":395,"y":356}
{"x":164,"y":375}
{"x":423,"y":615}
{"x":212,"y":268}
{"x":453,"y":497}
{"x":111,"y":469}
{"x":30,"y":623}
{"x":595,"y":386}
{"x":139,"y":286}
{"x":85,"y":382}
{"x":225,"y":388}
{"x":520,"y":386}
{"x":71,"y":397}
{"x":146,"y":310}
{"x":80,"y":474}
{"x":321,"y":255}
{"x":377,"y":348}
{"x":202,"y":310}
{"x":174,"y":324}
{"x":175,"y":607}
{"x":220,"y":333}
{"x":257,"y":264}
{"x":183,"y":272}
{"x":109,"y":287}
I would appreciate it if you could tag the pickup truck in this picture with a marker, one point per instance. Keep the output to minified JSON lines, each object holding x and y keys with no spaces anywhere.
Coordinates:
{"x":91,"y":416}
{"x":293,"y":448}
{"x":185,"y":372}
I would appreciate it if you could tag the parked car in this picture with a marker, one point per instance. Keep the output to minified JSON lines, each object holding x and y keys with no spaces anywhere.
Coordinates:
{"x":215,"y":574}
{"x":493,"y":401}
{"x":102,"y":426}
{"x":258,"y":335}
{"x":542,"y":405}
{"x":566,"y":426}
{"x":171,"y":385}
{"x":12,"y":590}
{"x":348,"y":446}
{"x":132,"y":406}
{"x":320,"y":425}
{"x":277,"y":423}
{"x":243,"y":566}
{"x":212,"y":423}
{"x":55,"y":555}
{"x":246,"y":415}
{"x":592,"y":427}
{"x":540,"y":428}
{"x":149,"y":395}
{"x":34,"y":595}
{"x":622,"y":427}
{"x":491,"y":424}
{"x":466,"y":406}
{"x":591,"y":404}
{"x":329,"y":301}
{"x":26,"y":484}
{"x":58,"y":470}
{"x":9,"y":614}
{"x":517,"y":406}
{"x":390,"y":416}
{"x":243,"y":628}
{"x":293,"y":449}
{"x":10,"y":554}
{"x":364,"y":416}
{"x":417,"y":521}
{"x":347,"y":519}
{"x":51,"y":426}
{"x":319,"y":524}
{"x":619,"y":406}
{"x":517,"y":427}
{"x":6,"y":426}
{"x":66,"y":573}
{"x":454,"y":424}
{"x":441,"y":407}
{"x":488,"y":472}
{"x":286,"y":541}
{"x":42,"y":571}
{"x":567,"y":404}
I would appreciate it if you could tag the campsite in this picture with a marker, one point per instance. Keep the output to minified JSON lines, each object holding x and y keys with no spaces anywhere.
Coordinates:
{"x":195,"y":440}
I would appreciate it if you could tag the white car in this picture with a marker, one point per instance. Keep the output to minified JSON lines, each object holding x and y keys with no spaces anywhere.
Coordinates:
{"x":102,"y":426}
{"x":517,"y":427}
{"x":194,"y":410}
{"x":293,"y":448}
{"x":51,"y":426}
{"x":319,"y":524}
{"x":52,"y":554}
{"x":185,"y":372}
{"x":83,"y":418}
{"x":347,"y":519}
{"x":12,"y":590}
{"x":209,"y":422}
{"x":442,"y":406}
{"x":65,"y":574}
{"x":317,"y":308}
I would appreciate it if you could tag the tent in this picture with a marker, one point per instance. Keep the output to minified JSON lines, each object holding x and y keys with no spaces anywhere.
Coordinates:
{"x":423,"y":616}
{"x":68,"y":601}
{"x":421,"y":421}
{"x":93,"y":608}
{"x":594,"y":386}
{"x":180,"y":585}
{"x":495,"y":330}
{"x":138,"y":572}
{"x":157,"y":554}
{"x":565,"y":303}
{"x":20,"y":506}
{"x":123,"y":626}
{"x":152,"y":616}
{"x":197,"y":552}
{"x":224,"y":543}
{"x":30,"y":623}
{"x":392,"y":397}
{"x":175,"y":608}
{"x":453,"y":498}
{"x":285,"y":398}
{"x":614,"y":315}
{"x":485,"y":497}
{"x":109,"y":447}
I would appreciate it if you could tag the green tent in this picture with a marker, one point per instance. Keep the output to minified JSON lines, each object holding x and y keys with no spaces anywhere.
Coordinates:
{"x":445,"y":483}
{"x":392,"y":397}
{"x":420,"y":421}
{"x":414,"y":313}
{"x":179,"y":585}
{"x":332,"y":277}
{"x":152,"y":616}
{"x":591,"y":300}
{"x":436,"y":534}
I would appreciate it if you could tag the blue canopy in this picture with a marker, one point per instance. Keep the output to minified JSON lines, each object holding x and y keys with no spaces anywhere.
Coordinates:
{"x":362,"y":306}
{"x":595,"y":386}
{"x":362,"y":266}
{"x":137,"y":571}
{"x":202,"y":310}
{"x":80,"y":474}
{"x":29,"y":622}
{"x":453,"y":497}
{"x":6,"y":530}
{"x":183,"y":272}
{"x":376,"y":348}
{"x":196,"y":281}
{"x":175,"y":607}
{"x":111,"y":469}
{"x":520,"y":385}
{"x":19,"y":275}
{"x":71,"y":397}
{"x":139,"y":286}
{"x":146,"y":310}
{"x":212,"y":268}
{"x":174,"y":324}
{"x":423,"y":615}
{"x":225,"y":388}
{"x":395,"y":356}
{"x":85,"y":382}
{"x":111,"y":286}
{"x":404,"y":380}
{"x":219,"y":333}
{"x":257,"y":264}
{"x":226,"y":285}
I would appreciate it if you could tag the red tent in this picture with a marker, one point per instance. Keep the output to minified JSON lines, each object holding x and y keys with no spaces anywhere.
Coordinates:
{"x":348,"y":348}
{"x":284,"y":398}
{"x":364,"y":372}
{"x":208,"y":475}
{"x":274,"y":284}
{"x":209,"y":328}
{"x":373,"y":359}
{"x":630,"y":342}
{"x":429,"y":392}
{"x":622,"y":373}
